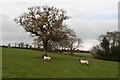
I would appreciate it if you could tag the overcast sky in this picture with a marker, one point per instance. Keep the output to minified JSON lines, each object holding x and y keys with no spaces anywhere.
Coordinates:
{"x":89,"y":19}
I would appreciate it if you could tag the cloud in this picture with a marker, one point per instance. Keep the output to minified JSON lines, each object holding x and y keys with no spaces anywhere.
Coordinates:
{"x":12,"y":33}
{"x":88,"y":44}
{"x":89,"y":19}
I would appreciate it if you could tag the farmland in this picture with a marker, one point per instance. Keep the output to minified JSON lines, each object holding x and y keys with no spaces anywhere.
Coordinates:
{"x":22,"y":63}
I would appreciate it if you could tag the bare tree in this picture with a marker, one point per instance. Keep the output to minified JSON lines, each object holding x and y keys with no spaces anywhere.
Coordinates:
{"x":15,"y":44}
{"x":26,"y":45}
{"x":42,"y":21}
{"x":71,"y":42}
{"x":9,"y":45}
{"x":74,"y":43}
{"x":21,"y":44}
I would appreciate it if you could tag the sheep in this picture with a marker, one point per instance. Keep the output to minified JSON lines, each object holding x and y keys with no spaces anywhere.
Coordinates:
{"x":84,"y":61}
{"x":47,"y":58}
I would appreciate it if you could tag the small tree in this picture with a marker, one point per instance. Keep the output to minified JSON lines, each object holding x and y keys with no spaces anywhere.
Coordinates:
{"x":71,"y":42}
{"x":26,"y":45}
{"x":21,"y":45}
{"x":74,"y":43}
{"x":9,"y":45}
{"x":15,"y":45}
{"x":105,"y":45}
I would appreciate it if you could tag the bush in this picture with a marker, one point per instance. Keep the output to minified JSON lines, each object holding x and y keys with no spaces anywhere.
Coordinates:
{"x":109,"y":47}
{"x":113,"y":54}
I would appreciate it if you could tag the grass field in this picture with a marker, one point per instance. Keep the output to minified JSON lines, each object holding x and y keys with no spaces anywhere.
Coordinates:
{"x":21,"y":63}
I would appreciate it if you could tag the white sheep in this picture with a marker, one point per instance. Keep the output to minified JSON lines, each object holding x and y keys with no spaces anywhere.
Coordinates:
{"x":47,"y":58}
{"x":84,"y":61}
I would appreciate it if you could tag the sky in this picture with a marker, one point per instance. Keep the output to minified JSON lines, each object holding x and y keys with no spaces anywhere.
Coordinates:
{"x":89,"y":19}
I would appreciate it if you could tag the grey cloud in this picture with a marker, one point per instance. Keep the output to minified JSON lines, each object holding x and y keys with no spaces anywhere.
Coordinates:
{"x":88,"y":20}
{"x":12,"y":33}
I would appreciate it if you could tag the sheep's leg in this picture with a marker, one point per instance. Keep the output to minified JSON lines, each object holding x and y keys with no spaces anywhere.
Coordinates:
{"x":87,"y":63}
{"x":50,"y":60}
{"x":44,"y":59}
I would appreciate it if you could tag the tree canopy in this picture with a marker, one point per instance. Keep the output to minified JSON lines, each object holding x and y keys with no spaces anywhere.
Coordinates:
{"x":44,"y":22}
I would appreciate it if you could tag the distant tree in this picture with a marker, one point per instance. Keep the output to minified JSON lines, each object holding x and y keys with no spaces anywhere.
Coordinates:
{"x":73,"y":43}
{"x":21,"y":45}
{"x":109,"y":46}
{"x":30,"y":46}
{"x":97,"y":52}
{"x":42,"y":21}
{"x":70,"y":42}
{"x":112,"y":37}
{"x":55,"y":45}
{"x":27,"y":45}
{"x":9,"y":45}
{"x":105,"y":45}
{"x":15,"y":44}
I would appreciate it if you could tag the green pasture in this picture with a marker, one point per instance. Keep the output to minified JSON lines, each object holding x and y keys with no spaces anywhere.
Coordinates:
{"x":22,"y":63}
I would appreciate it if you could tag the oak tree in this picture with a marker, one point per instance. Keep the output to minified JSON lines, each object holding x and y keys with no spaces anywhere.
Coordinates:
{"x":42,"y":21}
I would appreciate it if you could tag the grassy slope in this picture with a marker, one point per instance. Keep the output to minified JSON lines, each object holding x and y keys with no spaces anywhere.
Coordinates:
{"x":19,"y":63}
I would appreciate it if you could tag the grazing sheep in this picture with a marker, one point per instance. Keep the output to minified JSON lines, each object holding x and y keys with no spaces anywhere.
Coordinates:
{"x":84,"y":61}
{"x":47,"y":58}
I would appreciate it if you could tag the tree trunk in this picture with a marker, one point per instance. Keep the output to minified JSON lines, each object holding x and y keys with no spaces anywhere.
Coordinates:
{"x":71,"y":51}
{"x":45,"y":43}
